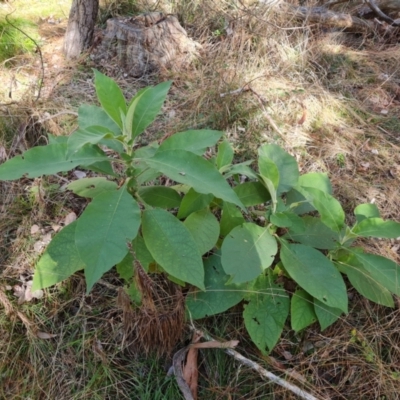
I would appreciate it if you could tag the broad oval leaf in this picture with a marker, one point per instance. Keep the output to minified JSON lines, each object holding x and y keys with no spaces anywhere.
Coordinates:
{"x":172,"y":246}
{"x":160,"y":196}
{"x":224,"y":155}
{"x":247,"y":251}
{"x":364,"y":211}
{"x":190,"y":169}
{"x":315,"y":234}
{"x":302,"y":312}
{"x":266,"y":313}
{"x":252,"y":193}
{"x":103,"y":230}
{"x":326,"y":315}
{"x":241,"y":169}
{"x":384,"y":271}
{"x":91,"y":187}
{"x":377,"y":227}
{"x":195,"y":141}
{"x":332,"y":214}
{"x":315,"y":274}
{"x":285,"y":163}
{"x":91,"y":135}
{"x":145,"y":106}
{"x":317,"y":180}
{"x":218,"y":296}
{"x":231,"y":218}
{"x":48,"y":160}
{"x":60,"y":260}
{"x":110,"y":97}
{"x":364,"y":283}
{"x":89,"y":115}
{"x":269,"y":170}
{"x":204,"y":228}
{"x":142,"y":253}
{"x":193,"y":201}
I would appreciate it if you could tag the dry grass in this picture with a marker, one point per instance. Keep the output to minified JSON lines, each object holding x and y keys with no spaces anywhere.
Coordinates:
{"x":335,"y":99}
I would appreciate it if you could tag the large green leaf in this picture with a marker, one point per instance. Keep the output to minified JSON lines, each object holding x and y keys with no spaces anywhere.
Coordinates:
{"x":144,"y":108}
{"x":172,"y":246}
{"x":89,"y":135}
{"x":224,"y":155}
{"x":91,"y":187}
{"x":60,"y":260}
{"x":193,"y":201}
{"x":317,"y":180}
{"x":315,"y":273}
{"x":160,"y":196}
{"x":252,"y":193}
{"x":142,"y":253}
{"x":315,"y":234}
{"x":204,"y":228}
{"x":218,"y":296}
{"x":377,"y":227}
{"x":190,"y":169}
{"x":195,"y":141}
{"x":107,"y":224}
{"x":110,"y":97}
{"x":302,"y":312}
{"x":384,"y":271}
{"x":326,"y":315}
{"x":125,"y":267}
{"x":368,"y":210}
{"x":231,"y":218}
{"x":266,"y":313}
{"x":241,"y":169}
{"x":332,"y":214}
{"x":247,"y":251}
{"x":269,"y":170}
{"x":285,"y":163}
{"x":89,"y":115}
{"x":364,"y":283}
{"x":48,"y":160}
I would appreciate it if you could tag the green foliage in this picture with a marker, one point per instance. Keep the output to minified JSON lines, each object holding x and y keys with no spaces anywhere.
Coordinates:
{"x":229,"y":241}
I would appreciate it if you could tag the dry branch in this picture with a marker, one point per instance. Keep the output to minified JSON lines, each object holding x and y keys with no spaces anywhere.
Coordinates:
{"x":180,"y":356}
{"x":327,"y":17}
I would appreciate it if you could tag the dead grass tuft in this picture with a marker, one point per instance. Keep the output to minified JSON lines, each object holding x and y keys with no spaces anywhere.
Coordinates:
{"x":157,"y":325}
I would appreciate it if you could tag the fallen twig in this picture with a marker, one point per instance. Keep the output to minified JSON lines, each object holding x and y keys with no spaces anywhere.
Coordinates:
{"x":263,"y":372}
{"x":374,"y":7}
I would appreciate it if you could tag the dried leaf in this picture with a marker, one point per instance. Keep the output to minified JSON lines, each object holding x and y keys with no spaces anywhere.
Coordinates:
{"x":287,"y":355}
{"x":18,"y":290}
{"x":34,"y":229}
{"x":71,"y":217}
{"x":190,"y":371}
{"x":303,"y":117}
{"x":38,"y":246}
{"x":45,"y":335}
{"x":56,"y":228}
{"x":79,"y":174}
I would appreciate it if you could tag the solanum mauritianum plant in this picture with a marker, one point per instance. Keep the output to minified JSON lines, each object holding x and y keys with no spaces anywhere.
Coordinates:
{"x":229,"y":241}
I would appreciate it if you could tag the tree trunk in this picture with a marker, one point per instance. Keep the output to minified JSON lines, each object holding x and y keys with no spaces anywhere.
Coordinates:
{"x":79,"y":35}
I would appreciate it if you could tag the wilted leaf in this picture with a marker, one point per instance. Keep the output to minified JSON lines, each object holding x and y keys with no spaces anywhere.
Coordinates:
{"x":45,"y":335}
{"x":71,"y":217}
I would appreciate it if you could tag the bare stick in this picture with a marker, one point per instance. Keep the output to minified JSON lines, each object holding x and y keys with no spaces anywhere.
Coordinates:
{"x":263,"y":372}
{"x":374,"y":7}
{"x":47,"y":117}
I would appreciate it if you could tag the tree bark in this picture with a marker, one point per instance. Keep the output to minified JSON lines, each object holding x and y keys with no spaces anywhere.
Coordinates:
{"x":79,"y":35}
